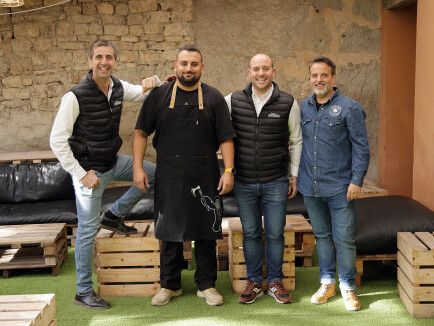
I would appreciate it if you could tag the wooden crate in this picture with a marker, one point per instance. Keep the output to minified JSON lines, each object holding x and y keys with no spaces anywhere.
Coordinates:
{"x":362,"y":258}
{"x":369,"y":189}
{"x":237,"y":265}
{"x":416,"y":272}
{"x":29,"y":310}
{"x":128,"y":265}
{"x":304,"y":238}
{"x":33,"y":246}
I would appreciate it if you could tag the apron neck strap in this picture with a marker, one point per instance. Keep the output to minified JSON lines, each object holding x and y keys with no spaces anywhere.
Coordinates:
{"x":199,"y":94}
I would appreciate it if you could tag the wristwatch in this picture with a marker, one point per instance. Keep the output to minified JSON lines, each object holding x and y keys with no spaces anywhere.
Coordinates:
{"x":230,"y":170}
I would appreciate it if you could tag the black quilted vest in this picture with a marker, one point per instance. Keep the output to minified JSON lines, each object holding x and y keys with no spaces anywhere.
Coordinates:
{"x":95,"y":139}
{"x":261,"y":145}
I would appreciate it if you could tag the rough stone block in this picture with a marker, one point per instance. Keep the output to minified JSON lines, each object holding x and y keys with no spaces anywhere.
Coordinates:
{"x":81,"y":19}
{"x":116,"y":30}
{"x":136,"y":30}
{"x":27,"y":81}
{"x":47,"y":30}
{"x":54,"y":90}
{"x":141,"y":46}
{"x":105,"y":8}
{"x":26,"y":30}
{"x":15,"y":93}
{"x":149,"y":57}
{"x":156,"y":37}
{"x":71,"y":45}
{"x":89,"y":9}
{"x":112,"y":19}
{"x":21,"y":47}
{"x":12,"y":81}
{"x":154,"y":28}
{"x":121,"y":9}
{"x":158,"y":17}
{"x":129,"y":38}
{"x":81,"y":29}
{"x":142,"y":5}
{"x":42,"y":44}
{"x":95,"y":29}
{"x":64,"y":29}
{"x":138,"y":19}
{"x":129,"y":56}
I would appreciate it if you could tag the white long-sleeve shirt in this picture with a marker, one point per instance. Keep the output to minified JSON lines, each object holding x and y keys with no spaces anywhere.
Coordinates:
{"x":64,"y":124}
{"x":294,"y":124}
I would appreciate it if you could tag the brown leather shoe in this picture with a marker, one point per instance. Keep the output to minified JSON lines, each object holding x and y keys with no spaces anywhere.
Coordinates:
{"x":351,"y":301}
{"x":325,"y":292}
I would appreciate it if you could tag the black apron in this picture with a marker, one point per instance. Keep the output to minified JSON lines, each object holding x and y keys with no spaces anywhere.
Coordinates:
{"x":187,"y":205}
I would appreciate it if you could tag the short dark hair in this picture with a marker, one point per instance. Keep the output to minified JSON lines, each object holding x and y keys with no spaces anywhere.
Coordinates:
{"x":327,"y":61}
{"x":189,"y":48}
{"x":99,"y":43}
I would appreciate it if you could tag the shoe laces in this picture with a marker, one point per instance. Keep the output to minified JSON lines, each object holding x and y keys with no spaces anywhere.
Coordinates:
{"x":350,"y":295}
{"x":250,"y":285}
{"x":323,"y":289}
{"x":277,"y":287}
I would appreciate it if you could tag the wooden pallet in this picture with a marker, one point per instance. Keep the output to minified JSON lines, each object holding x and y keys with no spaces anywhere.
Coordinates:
{"x":362,"y":258}
{"x":416,"y":272}
{"x":369,"y":189}
{"x":128,"y":265}
{"x":33,"y":246}
{"x":304,"y":238}
{"x":237,"y":265}
{"x":29,"y":310}
{"x":24,"y":157}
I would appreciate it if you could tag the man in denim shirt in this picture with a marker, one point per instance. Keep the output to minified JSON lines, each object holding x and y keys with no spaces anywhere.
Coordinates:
{"x":334,"y":161}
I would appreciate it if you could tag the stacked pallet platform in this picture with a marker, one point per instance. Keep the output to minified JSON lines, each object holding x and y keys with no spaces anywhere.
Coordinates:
{"x":28,"y":310}
{"x":32,"y":246}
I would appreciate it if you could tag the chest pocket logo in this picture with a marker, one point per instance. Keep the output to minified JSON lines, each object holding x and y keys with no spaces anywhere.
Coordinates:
{"x":274,"y":115}
{"x":335,"y":110}
{"x":117,"y":103}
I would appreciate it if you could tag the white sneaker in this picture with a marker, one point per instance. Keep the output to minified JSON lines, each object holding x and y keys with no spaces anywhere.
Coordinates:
{"x":212,"y":297}
{"x":164,"y":295}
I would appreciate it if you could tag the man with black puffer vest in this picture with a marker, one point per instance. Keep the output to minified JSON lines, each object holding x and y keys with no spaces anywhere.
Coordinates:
{"x":268,"y":136}
{"x":85,"y":138}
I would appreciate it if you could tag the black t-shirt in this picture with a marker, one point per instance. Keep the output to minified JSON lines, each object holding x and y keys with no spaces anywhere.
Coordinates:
{"x":150,"y":120}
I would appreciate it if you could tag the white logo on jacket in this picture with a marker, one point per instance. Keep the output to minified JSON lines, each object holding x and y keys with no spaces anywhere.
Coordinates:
{"x":274,"y":115}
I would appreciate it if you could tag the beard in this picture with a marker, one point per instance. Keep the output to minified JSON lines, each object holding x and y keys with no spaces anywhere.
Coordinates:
{"x":187,"y":82}
{"x":321,"y":92}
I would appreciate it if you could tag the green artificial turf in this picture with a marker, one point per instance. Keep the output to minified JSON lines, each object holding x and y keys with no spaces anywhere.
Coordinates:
{"x":380,"y":303}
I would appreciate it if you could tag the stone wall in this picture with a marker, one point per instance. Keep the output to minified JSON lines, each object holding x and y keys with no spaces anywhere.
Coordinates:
{"x":293,"y":33}
{"x":42,"y":54}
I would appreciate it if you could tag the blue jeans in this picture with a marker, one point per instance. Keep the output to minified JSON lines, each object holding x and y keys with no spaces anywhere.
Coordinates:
{"x":333,"y":221}
{"x":88,"y":203}
{"x":267,"y":199}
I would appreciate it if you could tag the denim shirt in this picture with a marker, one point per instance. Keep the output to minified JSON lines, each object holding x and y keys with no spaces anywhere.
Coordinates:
{"x":335,"y":146}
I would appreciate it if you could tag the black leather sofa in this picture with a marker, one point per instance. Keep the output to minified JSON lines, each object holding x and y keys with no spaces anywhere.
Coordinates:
{"x":43,"y":193}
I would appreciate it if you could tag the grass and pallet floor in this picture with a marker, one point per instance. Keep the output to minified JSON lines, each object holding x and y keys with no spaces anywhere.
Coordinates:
{"x":379,"y":297}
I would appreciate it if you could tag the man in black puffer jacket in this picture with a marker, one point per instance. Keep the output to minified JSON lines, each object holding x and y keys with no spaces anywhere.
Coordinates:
{"x":266,"y":121}
{"x":85,"y":138}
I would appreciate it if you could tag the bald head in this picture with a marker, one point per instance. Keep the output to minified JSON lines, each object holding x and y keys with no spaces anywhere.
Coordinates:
{"x":261,"y":73}
{"x":260,"y":57}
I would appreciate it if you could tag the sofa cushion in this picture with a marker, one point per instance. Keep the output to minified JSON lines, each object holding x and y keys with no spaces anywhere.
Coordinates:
{"x":34,"y":182}
{"x":378,"y":219}
{"x":60,"y":211}
{"x":293,"y":206}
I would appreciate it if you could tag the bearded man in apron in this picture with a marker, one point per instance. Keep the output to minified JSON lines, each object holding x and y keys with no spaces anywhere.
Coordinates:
{"x":191,"y":122}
